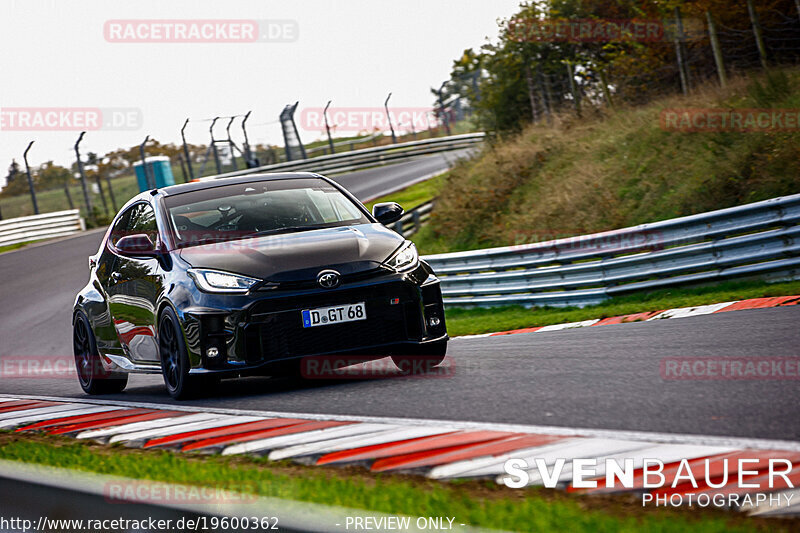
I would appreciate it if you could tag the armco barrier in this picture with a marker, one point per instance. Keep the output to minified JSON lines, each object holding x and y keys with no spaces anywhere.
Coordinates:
{"x":413,"y":219}
{"x":367,"y":157}
{"x":761,"y":239}
{"x":44,"y":226}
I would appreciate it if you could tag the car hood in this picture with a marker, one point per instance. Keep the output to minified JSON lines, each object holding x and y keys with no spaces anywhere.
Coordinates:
{"x":293,"y":257}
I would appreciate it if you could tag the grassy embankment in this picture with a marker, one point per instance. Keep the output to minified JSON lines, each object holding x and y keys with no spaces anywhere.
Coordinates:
{"x":605,"y":171}
{"x":610,"y":170}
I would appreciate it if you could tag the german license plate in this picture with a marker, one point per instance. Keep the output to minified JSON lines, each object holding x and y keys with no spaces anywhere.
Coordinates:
{"x":337,"y":314}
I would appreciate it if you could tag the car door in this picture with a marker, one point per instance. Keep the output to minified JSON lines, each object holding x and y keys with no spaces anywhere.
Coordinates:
{"x":108,"y":341}
{"x":134,"y":287}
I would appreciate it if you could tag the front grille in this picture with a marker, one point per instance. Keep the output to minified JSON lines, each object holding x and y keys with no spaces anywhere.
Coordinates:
{"x":282,"y":334}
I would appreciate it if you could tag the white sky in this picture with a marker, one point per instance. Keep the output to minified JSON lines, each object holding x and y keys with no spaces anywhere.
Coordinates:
{"x":353,"y":52}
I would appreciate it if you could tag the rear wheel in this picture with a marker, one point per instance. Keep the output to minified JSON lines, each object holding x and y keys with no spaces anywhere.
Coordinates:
{"x":175,"y":359}
{"x":427,"y":357}
{"x":94,"y":379}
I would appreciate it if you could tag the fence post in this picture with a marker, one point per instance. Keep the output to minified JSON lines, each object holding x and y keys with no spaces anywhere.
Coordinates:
{"x":606,"y":90}
{"x":214,"y":146}
{"x":573,"y":88}
{"x":151,"y":183}
{"x":546,"y":98}
{"x":531,"y":94}
{"x":398,"y":227}
{"x":328,"y":128}
{"x":183,"y":169}
{"x":100,"y":190}
{"x":111,"y":193}
{"x":389,"y":118}
{"x":762,"y":51}
{"x":89,"y":212}
{"x":186,"y":149}
{"x":682,"y":70}
{"x":30,"y":179}
{"x":69,"y":196}
{"x":232,"y":145}
{"x":712,"y":33}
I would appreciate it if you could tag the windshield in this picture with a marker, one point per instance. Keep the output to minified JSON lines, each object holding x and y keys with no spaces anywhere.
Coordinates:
{"x":259,"y":208}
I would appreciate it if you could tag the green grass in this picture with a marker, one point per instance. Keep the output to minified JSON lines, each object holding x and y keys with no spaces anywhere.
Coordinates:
{"x":10,"y":247}
{"x":610,"y":170}
{"x":487,"y":320}
{"x":414,"y":195}
{"x":477,"y":503}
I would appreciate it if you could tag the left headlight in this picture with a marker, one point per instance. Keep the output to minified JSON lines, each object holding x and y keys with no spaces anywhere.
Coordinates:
{"x":217,"y":281}
{"x":405,"y":258}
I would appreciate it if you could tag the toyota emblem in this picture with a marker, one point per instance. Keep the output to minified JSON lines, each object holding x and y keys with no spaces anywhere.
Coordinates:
{"x":328,"y":279}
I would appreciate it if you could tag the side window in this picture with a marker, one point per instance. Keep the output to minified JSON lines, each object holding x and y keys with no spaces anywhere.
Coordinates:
{"x":143,"y":220}
{"x":121,"y":226}
{"x":139,"y":218}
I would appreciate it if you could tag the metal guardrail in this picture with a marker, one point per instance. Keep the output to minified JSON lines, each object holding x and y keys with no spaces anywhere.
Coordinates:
{"x":44,"y":226}
{"x":413,"y":219}
{"x":367,"y":157}
{"x":348,"y":142}
{"x":761,"y":240}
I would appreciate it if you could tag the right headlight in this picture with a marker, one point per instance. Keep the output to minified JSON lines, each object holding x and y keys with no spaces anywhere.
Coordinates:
{"x":218,"y":281}
{"x":404,"y":259}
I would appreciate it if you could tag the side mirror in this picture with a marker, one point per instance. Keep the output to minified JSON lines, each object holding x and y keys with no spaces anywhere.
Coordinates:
{"x":387,"y":212}
{"x":138,"y":245}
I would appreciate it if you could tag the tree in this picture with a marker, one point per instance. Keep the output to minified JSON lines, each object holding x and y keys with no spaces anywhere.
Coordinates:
{"x":50,"y":175}
{"x":15,"y":184}
{"x":517,"y":78}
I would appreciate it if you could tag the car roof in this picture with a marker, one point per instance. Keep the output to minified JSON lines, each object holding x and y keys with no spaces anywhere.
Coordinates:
{"x":203,"y":184}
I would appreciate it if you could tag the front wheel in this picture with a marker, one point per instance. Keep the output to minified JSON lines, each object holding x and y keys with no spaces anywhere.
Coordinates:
{"x":94,"y":379}
{"x":175,"y":358}
{"x":427,"y":357}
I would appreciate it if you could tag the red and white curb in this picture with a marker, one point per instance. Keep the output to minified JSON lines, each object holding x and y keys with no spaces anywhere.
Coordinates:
{"x":681,"y":312}
{"x":433,"y":448}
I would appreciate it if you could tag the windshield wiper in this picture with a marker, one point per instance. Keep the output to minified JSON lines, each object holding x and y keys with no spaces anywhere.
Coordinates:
{"x":286,"y":229}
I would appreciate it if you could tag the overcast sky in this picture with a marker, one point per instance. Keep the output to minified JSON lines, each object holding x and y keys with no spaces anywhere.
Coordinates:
{"x":55,"y":55}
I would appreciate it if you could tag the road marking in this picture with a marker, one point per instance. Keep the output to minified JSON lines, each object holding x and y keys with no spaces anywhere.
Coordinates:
{"x":437,"y":449}
{"x":684,"y":312}
{"x":41,"y":414}
{"x":140,"y":426}
{"x":272,"y":443}
{"x":666,"y":438}
{"x":346,"y":443}
{"x":184,"y":426}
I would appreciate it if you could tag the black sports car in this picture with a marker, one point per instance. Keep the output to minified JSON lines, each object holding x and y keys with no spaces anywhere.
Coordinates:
{"x":252,"y":274}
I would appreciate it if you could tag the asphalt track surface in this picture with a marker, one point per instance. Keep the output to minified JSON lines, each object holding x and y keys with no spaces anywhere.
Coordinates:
{"x":606,"y":377}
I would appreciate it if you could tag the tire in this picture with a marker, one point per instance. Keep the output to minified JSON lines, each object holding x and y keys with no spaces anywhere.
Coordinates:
{"x":425,"y":358}
{"x":93,"y":378}
{"x":175,"y":359}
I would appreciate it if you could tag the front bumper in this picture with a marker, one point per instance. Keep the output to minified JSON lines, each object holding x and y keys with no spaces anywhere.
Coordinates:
{"x":404,"y":315}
